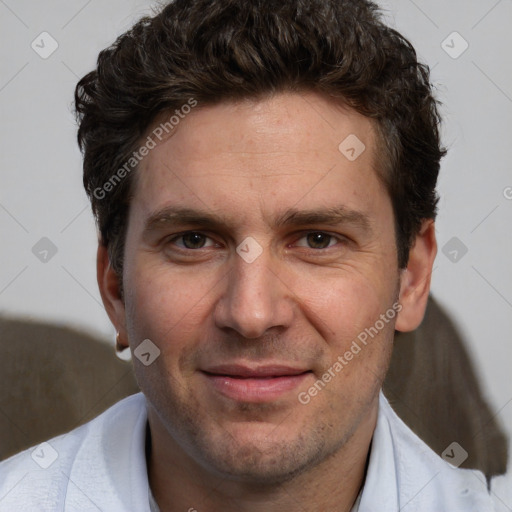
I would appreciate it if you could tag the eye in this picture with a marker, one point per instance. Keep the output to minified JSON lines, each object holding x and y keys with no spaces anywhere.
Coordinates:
{"x":317,"y":240}
{"x":192,"y":240}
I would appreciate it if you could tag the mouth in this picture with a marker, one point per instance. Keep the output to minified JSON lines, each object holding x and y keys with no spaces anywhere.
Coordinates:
{"x":257,"y":384}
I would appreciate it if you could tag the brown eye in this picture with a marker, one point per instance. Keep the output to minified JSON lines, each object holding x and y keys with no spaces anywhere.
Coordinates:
{"x":319,"y":240}
{"x":193,"y":240}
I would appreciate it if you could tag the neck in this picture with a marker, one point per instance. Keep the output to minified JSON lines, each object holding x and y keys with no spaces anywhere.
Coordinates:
{"x":179,"y":483}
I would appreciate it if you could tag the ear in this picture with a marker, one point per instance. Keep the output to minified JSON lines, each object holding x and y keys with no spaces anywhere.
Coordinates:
{"x":110,"y":290}
{"x":415,"y":279}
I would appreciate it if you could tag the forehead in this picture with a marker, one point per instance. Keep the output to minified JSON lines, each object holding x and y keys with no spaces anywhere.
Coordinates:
{"x":289,"y":123}
{"x":289,"y":150}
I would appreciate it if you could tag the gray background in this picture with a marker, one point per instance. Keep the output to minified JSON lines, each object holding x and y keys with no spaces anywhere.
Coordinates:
{"x":41,"y":193}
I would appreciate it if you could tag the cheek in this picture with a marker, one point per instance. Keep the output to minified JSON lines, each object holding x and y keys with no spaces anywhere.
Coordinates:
{"x":343,"y":304}
{"x":167,"y":306}
{"x":171,"y":311}
{"x":357,"y":341}
{"x":347,"y":314}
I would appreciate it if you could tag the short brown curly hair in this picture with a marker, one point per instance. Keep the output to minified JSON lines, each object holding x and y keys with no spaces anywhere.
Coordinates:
{"x":221,"y":50}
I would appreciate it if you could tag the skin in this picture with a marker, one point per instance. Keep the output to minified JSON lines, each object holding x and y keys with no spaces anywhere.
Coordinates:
{"x":301,"y":303}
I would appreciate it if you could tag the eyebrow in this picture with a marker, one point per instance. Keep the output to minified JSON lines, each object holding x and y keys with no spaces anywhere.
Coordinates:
{"x":328,"y":216}
{"x":335,"y":216}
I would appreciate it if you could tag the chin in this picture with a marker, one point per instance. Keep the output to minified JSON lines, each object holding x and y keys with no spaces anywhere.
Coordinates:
{"x":258,"y":460}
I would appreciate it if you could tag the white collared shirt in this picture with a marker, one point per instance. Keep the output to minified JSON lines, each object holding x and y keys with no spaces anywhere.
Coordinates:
{"x":102,"y":466}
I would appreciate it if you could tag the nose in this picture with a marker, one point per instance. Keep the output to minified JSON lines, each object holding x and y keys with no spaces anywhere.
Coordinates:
{"x":255,"y":299}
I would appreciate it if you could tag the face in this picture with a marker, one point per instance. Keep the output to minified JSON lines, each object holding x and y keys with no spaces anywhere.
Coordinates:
{"x":257,"y":252}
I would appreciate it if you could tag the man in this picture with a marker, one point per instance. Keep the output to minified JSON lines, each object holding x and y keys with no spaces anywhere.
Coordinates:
{"x":263,"y":177}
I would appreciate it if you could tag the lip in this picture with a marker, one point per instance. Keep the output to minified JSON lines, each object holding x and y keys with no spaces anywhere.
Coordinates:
{"x":254,"y":384}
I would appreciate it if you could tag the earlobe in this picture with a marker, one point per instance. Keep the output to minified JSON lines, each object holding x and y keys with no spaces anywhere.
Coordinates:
{"x":109,"y":285}
{"x":415,"y":279}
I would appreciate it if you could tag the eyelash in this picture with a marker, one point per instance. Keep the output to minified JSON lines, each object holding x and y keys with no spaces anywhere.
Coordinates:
{"x":304,"y":234}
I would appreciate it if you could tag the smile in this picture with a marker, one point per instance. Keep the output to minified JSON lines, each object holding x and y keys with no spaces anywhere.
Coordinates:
{"x":262,"y":384}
